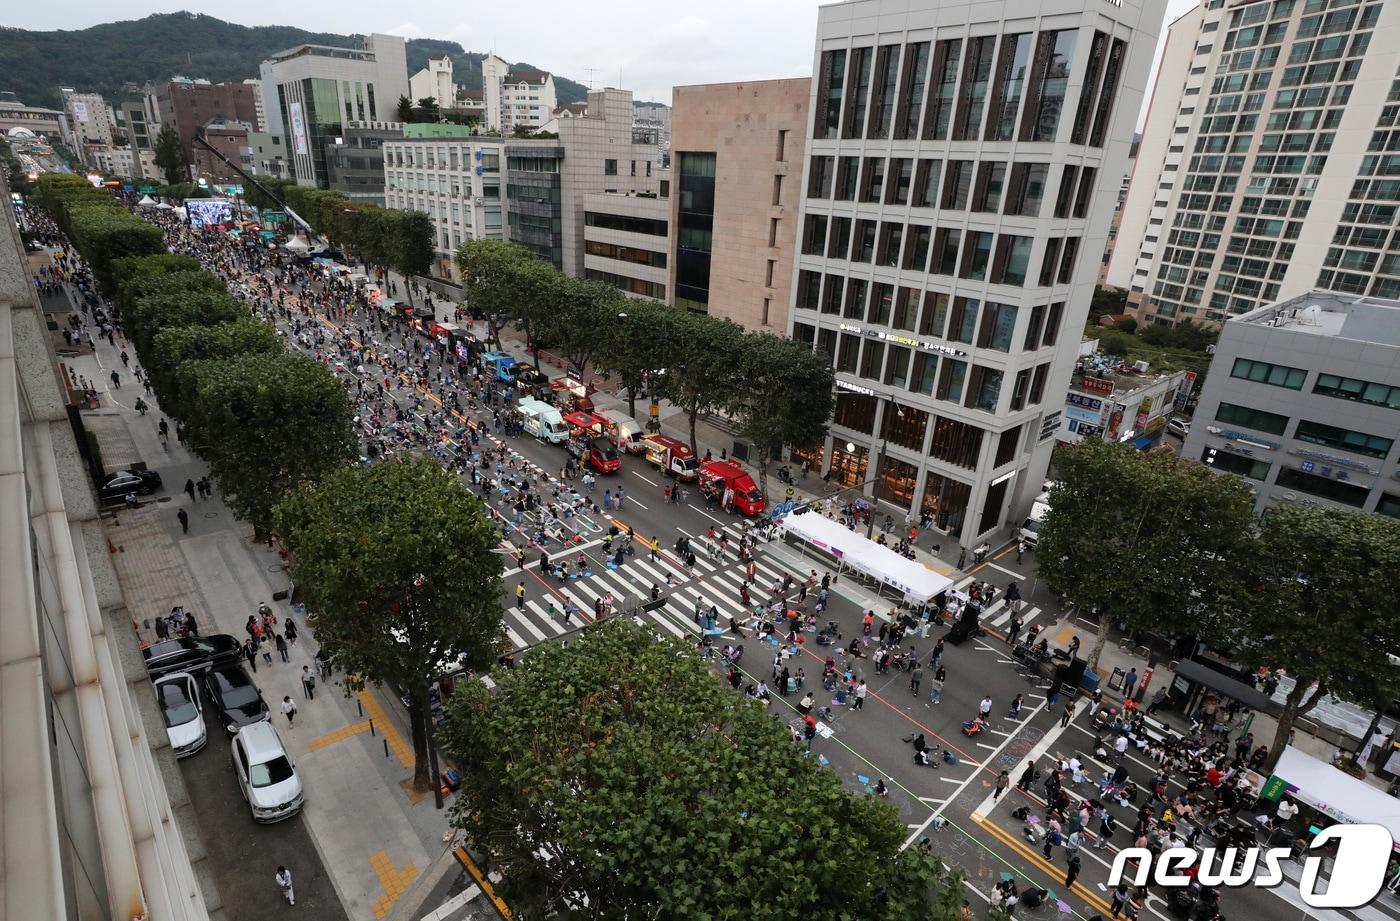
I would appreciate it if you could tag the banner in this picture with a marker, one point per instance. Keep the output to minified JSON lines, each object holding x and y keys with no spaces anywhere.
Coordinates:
{"x":206,"y":211}
{"x":298,"y":130}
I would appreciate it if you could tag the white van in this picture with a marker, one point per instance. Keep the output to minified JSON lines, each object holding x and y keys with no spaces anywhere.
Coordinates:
{"x":623,"y":431}
{"x":1030,"y":528}
{"x":543,"y":421}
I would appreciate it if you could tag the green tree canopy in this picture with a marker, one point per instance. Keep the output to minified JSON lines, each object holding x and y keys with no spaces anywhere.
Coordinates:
{"x":396,"y":564}
{"x":170,"y":155}
{"x":267,"y":423}
{"x":1319,"y":602}
{"x":615,"y":778}
{"x":786,"y":398}
{"x":579,"y":318}
{"x":702,"y":374}
{"x":631,"y":346}
{"x":157,"y":312}
{"x":165,"y":278}
{"x":173,"y":346}
{"x":491,"y":274}
{"x":1147,"y":539}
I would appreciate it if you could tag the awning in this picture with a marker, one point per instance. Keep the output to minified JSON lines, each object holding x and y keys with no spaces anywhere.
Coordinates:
{"x":1216,"y":681}
{"x":1142,"y":442}
{"x":1336,"y":793}
{"x":914,"y":579}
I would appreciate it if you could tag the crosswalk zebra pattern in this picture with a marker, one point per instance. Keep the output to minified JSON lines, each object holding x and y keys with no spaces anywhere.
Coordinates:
{"x":714,"y":582}
{"x":998,"y":615}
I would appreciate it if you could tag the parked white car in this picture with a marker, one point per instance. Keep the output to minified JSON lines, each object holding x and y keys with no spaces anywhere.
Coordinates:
{"x":1179,"y":426}
{"x":178,"y":696}
{"x":266,"y":774}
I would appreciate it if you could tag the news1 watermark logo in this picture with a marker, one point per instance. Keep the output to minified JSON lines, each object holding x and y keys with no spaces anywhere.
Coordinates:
{"x":1358,"y":870}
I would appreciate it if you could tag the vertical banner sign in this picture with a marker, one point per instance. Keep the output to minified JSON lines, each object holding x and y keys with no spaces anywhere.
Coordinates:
{"x":298,"y":130}
{"x":80,"y":110}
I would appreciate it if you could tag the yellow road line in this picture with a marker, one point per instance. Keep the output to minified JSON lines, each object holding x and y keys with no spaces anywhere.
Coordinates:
{"x":465,"y":860}
{"x":1039,"y":862}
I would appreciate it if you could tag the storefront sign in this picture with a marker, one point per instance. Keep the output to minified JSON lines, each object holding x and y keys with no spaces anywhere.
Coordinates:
{"x":1083,"y":415}
{"x":1095,"y":385}
{"x":1253,"y":441}
{"x":1333,"y":459}
{"x":855,"y":388}
{"x":298,"y":130}
{"x":1049,"y":425}
{"x":1078,"y":399}
{"x":1274,"y":788}
{"x":925,"y":345}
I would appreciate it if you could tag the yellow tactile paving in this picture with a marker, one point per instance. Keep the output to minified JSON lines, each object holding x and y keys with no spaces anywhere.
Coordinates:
{"x":340,"y":735}
{"x":394,"y":882}
{"x":385,"y":726}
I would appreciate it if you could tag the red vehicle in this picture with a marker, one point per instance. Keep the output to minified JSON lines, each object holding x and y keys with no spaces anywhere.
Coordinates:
{"x":673,"y":457}
{"x":719,"y":476}
{"x":572,"y":395}
{"x":589,"y":445}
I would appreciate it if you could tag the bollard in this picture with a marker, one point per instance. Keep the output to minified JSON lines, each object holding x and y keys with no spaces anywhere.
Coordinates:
{"x":371,"y":727}
{"x":386,"y":747}
{"x":359,"y":705}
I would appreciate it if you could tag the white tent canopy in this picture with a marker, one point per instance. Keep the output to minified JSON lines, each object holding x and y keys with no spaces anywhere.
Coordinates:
{"x":1336,"y":793}
{"x":146,"y":201}
{"x":298,"y":245}
{"x":914,"y":579}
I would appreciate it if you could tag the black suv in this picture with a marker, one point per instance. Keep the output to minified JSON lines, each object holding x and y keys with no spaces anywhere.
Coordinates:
{"x":191,"y":654}
{"x":236,"y":700}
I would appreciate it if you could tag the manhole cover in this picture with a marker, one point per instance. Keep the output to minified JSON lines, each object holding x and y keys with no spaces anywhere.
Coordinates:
{"x":211,"y":514}
{"x":163,"y":499}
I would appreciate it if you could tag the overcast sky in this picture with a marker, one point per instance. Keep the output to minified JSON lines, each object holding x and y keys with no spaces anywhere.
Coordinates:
{"x":641,"y":45}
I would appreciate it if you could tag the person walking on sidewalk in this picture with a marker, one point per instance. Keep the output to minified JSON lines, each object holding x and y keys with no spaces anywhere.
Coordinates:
{"x":284,"y":884}
{"x":1067,"y":715}
{"x":281,"y":644}
{"x":189,"y":489}
{"x":520,"y":596}
{"x":184,"y":517}
{"x":916,"y":677}
{"x":250,"y":652}
{"x":935,"y":692}
{"x":1072,"y":873}
{"x":308,"y":682}
{"x":861,"y":692}
{"x":1003,"y":781}
{"x":289,"y":708}
{"x":1129,"y":682}
{"x":1027,"y":778}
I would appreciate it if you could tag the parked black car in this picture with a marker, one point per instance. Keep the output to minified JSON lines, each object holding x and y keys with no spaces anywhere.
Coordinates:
{"x":191,"y":654}
{"x":235,"y":699}
{"x":116,"y":485}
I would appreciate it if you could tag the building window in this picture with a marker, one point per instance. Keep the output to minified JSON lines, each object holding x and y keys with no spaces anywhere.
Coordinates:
{"x":1257,"y":419}
{"x":934,"y":316}
{"x":858,"y":75}
{"x":1008,"y":86}
{"x":976,"y":72}
{"x":1092,"y":74}
{"x":998,"y":324}
{"x":926,"y":183}
{"x":782,"y":145}
{"x":865,"y":241}
{"x":1052,"y":324}
{"x":847,"y":178}
{"x":777,"y":190}
{"x":900,"y":178}
{"x":1237,"y":464}
{"x":922,"y":376}
{"x":838,"y":239}
{"x":916,"y":251}
{"x":1264,"y":373}
{"x":976,"y":255}
{"x":1050,"y":77}
{"x":773,"y":231}
{"x":1314,"y":485}
{"x":897,"y":374}
{"x":814,"y":234}
{"x":942,"y":89}
{"x":1112,"y":71}
{"x":1333,"y":437}
{"x":767,"y":308}
{"x":1388,"y":505}
{"x":882,"y":103}
{"x":911,"y":92}
{"x":984,"y":389}
{"x":819,"y":180}
{"x":956,"y":442}
{"x":991,"y":178}
{"x":957,"y":184}
{"x":872,"y":181}
{"x":964,"y":320}
{"x":695,"y":227}
{"x":855,"y":411}
{"x":1348,"y":388}
{"x":945,"y":501}
{"x":951,"y":379}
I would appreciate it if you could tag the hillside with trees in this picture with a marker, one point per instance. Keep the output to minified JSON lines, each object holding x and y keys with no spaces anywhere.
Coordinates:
{"x":115,"y":58}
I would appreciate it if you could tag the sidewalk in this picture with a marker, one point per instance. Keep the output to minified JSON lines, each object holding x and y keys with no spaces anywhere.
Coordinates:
{"x":373,"y":835}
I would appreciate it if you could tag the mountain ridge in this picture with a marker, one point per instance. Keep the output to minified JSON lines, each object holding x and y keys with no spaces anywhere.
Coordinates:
{"x":111,"y":57}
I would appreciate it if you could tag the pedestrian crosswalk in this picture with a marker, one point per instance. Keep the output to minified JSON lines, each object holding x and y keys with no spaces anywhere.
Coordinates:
{"x":998,"y":615}
{"x":714,"y":582}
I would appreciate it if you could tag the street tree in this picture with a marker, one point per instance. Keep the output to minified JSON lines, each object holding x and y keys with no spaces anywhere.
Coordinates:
{"x":1317,"y":602}
{"x":407,"y":240}
{"x":175,"y":345}
{"x":491,"y":275}
{"x":703,"y":376}
{"x":615,"y":778}
{"x":426,"y":110}
{"x":397,"y":564}
{"x":267,"y":423}
{"x":786,"y":398}
{"x":636,"y":345}
{"x":404,"y":109}
{"x":156,"y":312}
{"x":579,"y":319}
{"x":170,"y":154}
{"x":536,"y":288}
{"x":1144,"y":538}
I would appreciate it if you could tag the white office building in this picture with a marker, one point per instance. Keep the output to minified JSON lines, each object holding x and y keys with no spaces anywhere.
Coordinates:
{"x":313,"y":93}
{"x":1269,"y":163}
{"x":960,"y":173}
{"x":456,"y":181}
{"x":1303,"y":402}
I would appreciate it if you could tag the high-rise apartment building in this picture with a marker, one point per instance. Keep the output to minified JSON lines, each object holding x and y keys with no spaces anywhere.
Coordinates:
{"x":738,"y":169}
{"x":962,"y":163}
{"x":434,"y":82}
{"x":1268,"y":165}
{"x":90,"y":121}
{"x":516,"y":96}
{"x":314,"y":92}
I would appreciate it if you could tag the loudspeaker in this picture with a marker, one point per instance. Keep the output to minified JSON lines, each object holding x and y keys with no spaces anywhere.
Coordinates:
{"x":1070,"y":675}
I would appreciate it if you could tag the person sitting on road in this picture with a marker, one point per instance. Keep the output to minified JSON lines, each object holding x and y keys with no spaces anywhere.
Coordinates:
{"x":973,"y":726}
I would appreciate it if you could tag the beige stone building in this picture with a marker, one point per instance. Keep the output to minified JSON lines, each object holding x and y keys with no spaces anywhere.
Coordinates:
{"x":737,"y":163}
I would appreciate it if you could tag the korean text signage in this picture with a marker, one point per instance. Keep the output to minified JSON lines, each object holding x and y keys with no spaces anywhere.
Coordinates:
{"x":1358,"y":870}
{"x":1094,"y":385}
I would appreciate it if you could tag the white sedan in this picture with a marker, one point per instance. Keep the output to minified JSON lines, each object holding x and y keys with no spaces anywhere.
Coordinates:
{"x":184,"y":717}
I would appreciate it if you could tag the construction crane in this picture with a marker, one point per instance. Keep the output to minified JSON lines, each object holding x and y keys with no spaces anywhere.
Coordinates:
{"x":199,"y":139}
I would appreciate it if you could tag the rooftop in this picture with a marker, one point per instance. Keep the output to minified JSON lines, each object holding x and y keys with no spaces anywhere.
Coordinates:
{"x":1123,"y":377}
{"x":527,"y":76}
{"x":1327,"y":313}
{"x":325,"y":51}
